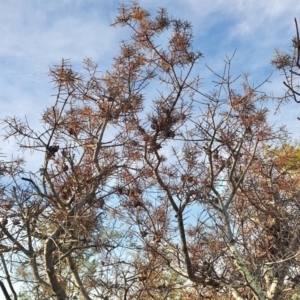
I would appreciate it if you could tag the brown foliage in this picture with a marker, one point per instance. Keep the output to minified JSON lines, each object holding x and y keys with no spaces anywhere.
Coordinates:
{"x":169,"y":196}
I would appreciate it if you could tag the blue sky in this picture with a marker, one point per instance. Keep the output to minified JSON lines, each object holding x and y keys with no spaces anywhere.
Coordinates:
{"x":35,"y":34}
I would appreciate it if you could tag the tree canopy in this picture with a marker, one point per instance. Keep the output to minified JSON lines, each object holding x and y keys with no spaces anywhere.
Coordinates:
{"x":151,"y":187}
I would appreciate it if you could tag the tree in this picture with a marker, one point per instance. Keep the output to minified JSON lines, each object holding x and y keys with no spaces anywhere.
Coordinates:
{"x":151,"y":196}
{"x":289,"y":64}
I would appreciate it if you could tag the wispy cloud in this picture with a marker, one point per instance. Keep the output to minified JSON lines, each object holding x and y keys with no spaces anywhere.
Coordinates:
{"x":36,"y":34}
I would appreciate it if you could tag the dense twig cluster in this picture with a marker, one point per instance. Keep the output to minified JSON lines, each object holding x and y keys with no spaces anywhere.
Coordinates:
{"x":174,"y":195}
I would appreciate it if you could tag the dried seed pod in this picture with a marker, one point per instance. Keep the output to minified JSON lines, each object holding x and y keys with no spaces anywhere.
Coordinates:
{"x":182,"y":116}
{"x":216,"y":154}
{"x":154,"y":148}
{"x":120,"y":190}
{"x":137,"y":191}
{"x":165,"y":110}
{"x":144,"y":233}
{"x":64,"y":153}
{"x":51,"y":150}
{"x":142,"y":278}
{"x":167,"y":134}
{"x":141,"y":130}
{"x":65,"y":168}
{"x":136,"y":203}
{"x":16,"y":222}
{"x":187,"y":178}
{"x":155,"y":126}
{"x":101,"y":203}
{"x":4,"y":222}
{"x":133,"y":143}
{"x":72,"y":132}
